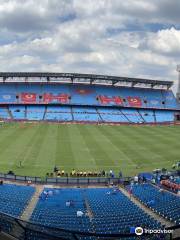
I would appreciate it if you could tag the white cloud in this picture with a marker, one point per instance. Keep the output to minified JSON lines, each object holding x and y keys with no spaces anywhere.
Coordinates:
{"x":104,"y":36}
{"x":165,"y":41}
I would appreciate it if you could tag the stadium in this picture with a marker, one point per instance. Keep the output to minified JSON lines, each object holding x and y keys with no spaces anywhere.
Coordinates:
{"x":86,"y":156}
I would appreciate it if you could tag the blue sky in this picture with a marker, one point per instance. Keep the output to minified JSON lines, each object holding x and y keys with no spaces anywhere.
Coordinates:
{"x":135,"y":38}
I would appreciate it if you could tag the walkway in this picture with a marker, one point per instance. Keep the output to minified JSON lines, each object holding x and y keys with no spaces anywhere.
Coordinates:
{"x":32,"y":204}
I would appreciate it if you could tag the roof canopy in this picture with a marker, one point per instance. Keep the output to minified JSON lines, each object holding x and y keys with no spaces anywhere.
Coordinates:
{"x":79,"y":78}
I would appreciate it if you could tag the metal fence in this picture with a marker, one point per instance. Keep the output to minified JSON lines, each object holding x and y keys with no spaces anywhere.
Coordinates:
{"x":67,"y":180}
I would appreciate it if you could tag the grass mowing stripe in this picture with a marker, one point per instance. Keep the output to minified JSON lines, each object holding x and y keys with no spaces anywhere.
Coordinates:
{"x":89,"y":156}
{"x":77,"y":146}
{"x":34,"y":149}
{"x":64,"y":154}
{"x":41,"y":145}
{"x":95,"y":145}
{"x":137,"y":147}
{"x":115,"y":143}
{"x":10,"y":139}
{"x":46,"y":156}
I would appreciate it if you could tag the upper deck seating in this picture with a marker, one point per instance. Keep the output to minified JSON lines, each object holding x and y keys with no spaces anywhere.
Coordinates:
{"x":86,"y":95}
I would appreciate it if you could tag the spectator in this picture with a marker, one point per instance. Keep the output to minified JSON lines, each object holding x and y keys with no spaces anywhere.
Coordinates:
{"x":153,"y":181}
{"x":120,"y":174}
{"x":103,"y":173}
{"x":68,"y":203}
{"x":136,"y":179}
{"x":80,"y":213}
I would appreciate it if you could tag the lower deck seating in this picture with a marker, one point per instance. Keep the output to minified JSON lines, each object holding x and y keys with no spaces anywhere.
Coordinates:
{"x":18,"y":112}
{"x":113,"y":212}
{"x":13,"y":201}
{"x":53,"y":211}
{"x":4,"y":113}
{"x":147,"y":115}
{"x":35,"y":112}
{"x":105,"y":210}
{"x":14,"y":198}
{"x":132,"y":115}
{"x":163,"y":202}
{"x":58,"y":113}
{"x":85,"y":114}
{"x":164,"y":116}
{"x":112,"y":115}
{"x":88,"y":114}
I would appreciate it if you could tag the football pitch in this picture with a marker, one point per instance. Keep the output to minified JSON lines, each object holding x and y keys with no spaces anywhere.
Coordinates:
{"x":131,"y":149}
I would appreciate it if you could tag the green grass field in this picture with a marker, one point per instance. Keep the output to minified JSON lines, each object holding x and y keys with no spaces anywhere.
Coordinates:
{"x":41,"y":146}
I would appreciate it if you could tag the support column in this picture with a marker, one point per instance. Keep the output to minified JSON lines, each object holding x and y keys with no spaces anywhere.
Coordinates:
{"x":178,"y":87}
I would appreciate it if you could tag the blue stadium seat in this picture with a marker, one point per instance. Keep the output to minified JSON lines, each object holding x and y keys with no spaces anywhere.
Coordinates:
{"x":18,"y":112}
{"x":164,"y":203}
{"x":86,"y":103}
{"x":35,"y":112}
{"x":4,"y":114}
{"x":132,"y":115}
{"x":56,"y":113}
{"x":105,"y":211}
{"x":152,"y":98}
{"x":112,"y":115}
{"x":14,"y":198}
{"x":147,"y":115}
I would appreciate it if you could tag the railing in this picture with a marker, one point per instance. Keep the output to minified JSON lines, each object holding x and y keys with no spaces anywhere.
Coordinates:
{"x":67,"y":180}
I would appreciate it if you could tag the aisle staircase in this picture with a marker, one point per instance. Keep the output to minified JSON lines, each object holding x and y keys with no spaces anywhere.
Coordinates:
{"x":32,"y":204}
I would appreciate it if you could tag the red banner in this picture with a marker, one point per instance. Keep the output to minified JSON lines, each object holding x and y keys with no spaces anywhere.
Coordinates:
{"x":134,"y":101}
{"x":108,"y":100}
{"x":28,"y":97}
{"x":62,"y":98}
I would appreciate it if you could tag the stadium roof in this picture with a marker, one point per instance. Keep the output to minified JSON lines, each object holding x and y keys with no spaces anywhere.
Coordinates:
{"x":78,"y":78}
